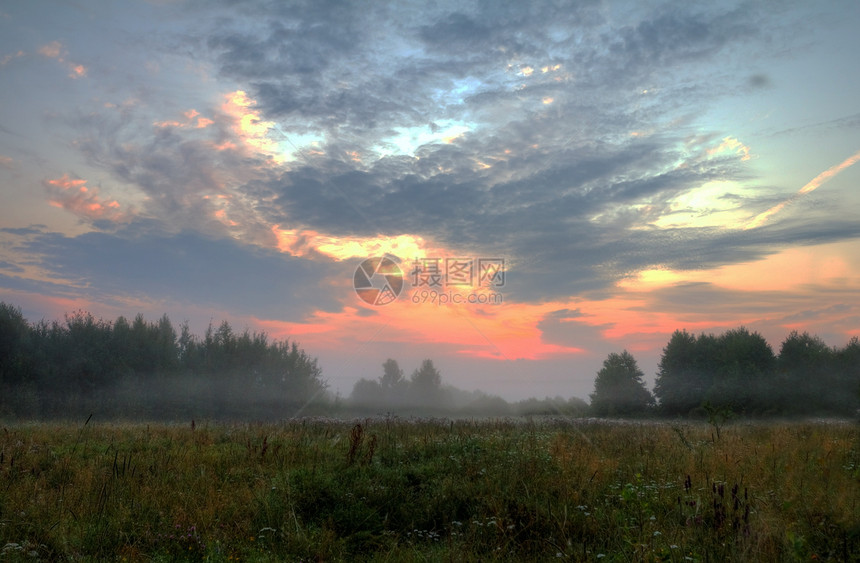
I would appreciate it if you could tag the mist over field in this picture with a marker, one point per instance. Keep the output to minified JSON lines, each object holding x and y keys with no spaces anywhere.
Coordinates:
{"x":143,"y":370}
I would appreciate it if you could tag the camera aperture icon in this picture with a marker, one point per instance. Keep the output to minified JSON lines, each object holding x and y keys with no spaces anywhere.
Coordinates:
{"x":378,"y":281}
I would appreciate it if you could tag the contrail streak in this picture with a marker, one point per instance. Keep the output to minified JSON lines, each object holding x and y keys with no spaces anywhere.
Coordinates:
{"x":809,"y":187}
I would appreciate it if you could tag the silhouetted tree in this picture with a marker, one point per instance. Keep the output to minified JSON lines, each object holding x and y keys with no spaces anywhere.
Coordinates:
{"x":393,"y":385}
{"x":14,"y":345}
{"x":619,"y":389}
{"x":807,"y":380}
{"x":425,"y":386}
{"x":367,"y":392}
{"x":848,"y":362}
{"x":143,"y":369}
{"x":18,"y":391}
{"x":684,"y":376}
{"x":743,"y":373}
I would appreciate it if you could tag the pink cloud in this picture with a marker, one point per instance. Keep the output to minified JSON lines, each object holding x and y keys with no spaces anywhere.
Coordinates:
{"x":190,"y":116}
{"x":9,"y":58}
{"x":73,"y":195}
{"x":55,"y":50}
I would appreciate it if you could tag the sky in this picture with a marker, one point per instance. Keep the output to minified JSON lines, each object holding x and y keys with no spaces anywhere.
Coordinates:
{"x":543,"y":183}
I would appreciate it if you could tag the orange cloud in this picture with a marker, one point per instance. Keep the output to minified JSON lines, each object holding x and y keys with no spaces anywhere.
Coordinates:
{"x":804,"y":288}
{"x":6,"y":162}
{"x":221,"y":215}
{"x":52,"y":50}
{"x":486,"y":327}
{"x":163,"y":124}
{"x":730,"y":145}
{"x":77,"y":71}
{"x":829,"y":173}
{"x":9,"y":58}
{"x":190,"y":115}
{"x":500,"y":332}
{"x":301,"y":242}
{"x":73,"y":195}
{"x":636,"y":317}
{"x":249,"y":126}
{"x":55,"y":50}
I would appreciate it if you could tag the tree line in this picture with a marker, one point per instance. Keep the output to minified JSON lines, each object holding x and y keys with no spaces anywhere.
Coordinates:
{"x":143,"y":369}
{"x":424,"y":392}
{"x":735,"y":372}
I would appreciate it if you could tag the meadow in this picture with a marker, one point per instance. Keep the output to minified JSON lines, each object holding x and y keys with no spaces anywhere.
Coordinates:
{"x":393,"y":489}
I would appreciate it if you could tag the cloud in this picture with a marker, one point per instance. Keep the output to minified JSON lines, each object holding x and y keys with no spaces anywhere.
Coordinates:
{"x":74,"y":196}
{"x":52,"y":50}
{"x":6,"y":59}
{"x":848,"y":122}
{"x":192,"y":119}
{"x":180,"y":174}
{"x":184,"y":267}
{"x":8,"y":266}
{"x":430,"y":124}
{"x":810,"y":186}
{"x":56,"y":50}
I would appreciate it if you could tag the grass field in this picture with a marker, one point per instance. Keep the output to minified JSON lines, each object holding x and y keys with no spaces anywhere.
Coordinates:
{"x":430,"y":490}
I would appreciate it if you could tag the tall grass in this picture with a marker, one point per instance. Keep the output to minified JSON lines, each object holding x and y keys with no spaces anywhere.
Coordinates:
{"x":430,"y":489}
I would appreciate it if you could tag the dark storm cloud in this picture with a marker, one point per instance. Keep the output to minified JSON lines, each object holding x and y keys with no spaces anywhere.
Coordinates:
{"x":186,"y":267}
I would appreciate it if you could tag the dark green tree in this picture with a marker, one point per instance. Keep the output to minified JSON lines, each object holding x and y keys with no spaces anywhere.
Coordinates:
{"x":619,"y":389}
{"x":684,"y":374}
{"x":848,"y":387}
{"x":139,"y":368}
{"x":17,"y":364}
{"x":393,"y":384}
{"x":425,"y":386}
{"x":366,"y":392}
{"x":806,"y":375}
{"x":743,"y":373}
{"x":14,"y":345}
